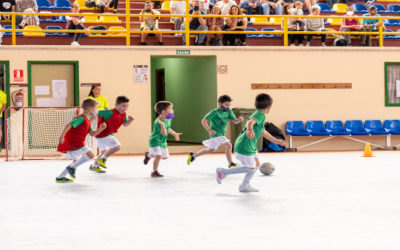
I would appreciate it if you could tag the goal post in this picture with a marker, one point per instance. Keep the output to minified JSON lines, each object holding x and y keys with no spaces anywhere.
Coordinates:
{"x":32,"y":133}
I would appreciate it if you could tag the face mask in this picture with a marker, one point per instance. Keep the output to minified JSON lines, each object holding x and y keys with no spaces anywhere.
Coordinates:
{"x":222,"y":108}
{"x":147,"y":10}
{"x":349,"y":13}
{"x":94,"y":113}
{"x":170,"y":116}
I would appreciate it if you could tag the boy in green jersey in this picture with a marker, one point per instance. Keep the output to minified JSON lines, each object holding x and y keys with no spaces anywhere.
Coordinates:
{"x":219,"y":119}
{"x":246,"y":144}
{"x":158,"y":138}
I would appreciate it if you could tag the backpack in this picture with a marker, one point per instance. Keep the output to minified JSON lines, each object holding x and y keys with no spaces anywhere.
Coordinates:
{"x":90,"y":4}
{"x":99,"y":27}
{"x":275,"y":132}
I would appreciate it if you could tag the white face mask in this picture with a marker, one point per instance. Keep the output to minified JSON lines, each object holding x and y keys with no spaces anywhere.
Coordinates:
{"x":350,"y":13}
{"x":94,"y":113}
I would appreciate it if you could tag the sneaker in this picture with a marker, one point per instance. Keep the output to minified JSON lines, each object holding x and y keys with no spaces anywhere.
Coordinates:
{"x":101,"y":162}
{"x":247,"y":188}
{"x":190,"y":158}
{"x":71,"y":171}
{"x":160,"y":43}
{"x":156,"y":174}
{"x":143,"y":43}
{"x":146,"y":158}
{"x":96,"y":169}
{"x":63,"y":180}
{"x":75,"y":44}
{"x":233,"y":164}
{"x":220,"y":175}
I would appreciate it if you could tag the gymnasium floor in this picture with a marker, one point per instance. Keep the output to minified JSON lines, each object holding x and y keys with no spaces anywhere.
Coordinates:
{"x":313,"y":201}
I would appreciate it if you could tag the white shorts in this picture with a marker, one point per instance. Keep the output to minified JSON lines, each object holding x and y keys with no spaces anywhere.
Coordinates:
{"x":159,"y":151}
{"x":215,"y":142}
{"x":76,"y":154}
{"x":107,"y":142}
{"x":247,"y":160}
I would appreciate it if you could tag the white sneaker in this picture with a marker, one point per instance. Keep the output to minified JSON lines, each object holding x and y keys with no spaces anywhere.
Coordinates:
{"x":247,"y":188}
{"x":220,"y":175}
{"x":75,"y":44}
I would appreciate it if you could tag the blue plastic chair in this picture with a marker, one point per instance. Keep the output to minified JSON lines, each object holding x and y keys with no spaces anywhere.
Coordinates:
{"x":359,"y":8}
{"x":8,"y":27}
{"x":336,"y":127}
{"x":375,"y":127}
{"x":253,"y":35}
{"x":296,"y":128}
{"x":391,"y":22}
{"x":356,"y":127}
{"x":391,"y":36}
{"x":316,"y":128}
{"x":392,"y":126}
{"x":380,"y":8}
{"x":44,"y":4}
{"x":325,"y":8}
{"x":62,"y":5}
{"x":269,"y":35}
{"x":393,"y":8}
{"x":54,"y":28}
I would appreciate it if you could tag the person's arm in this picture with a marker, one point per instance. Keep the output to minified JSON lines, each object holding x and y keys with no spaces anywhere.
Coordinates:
{"x":68,"y":18}
{"x":238,"y":120}
{"x":64,"y":132}
{"x":141,"y":18}
{"x":99,"y":130}
{"x":129,"y":121}
{"x":202,"y":21}
{"x":204,"y":122}
{"x":163,"y":130}
{"x":3,"y":108}
{"x":270,"y":138}
{"x":250,"y":132}
{"x":175,"y":134}
{"x":35,"y":7}
{"x":244,"y":26}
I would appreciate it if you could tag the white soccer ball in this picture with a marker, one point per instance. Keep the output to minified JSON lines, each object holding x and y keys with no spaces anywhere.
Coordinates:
{"x":267,"y":168}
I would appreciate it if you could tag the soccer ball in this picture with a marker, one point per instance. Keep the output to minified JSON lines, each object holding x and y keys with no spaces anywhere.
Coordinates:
{"x":267,"y":168}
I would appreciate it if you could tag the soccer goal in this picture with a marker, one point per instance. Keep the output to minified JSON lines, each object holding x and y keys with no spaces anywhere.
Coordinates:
{"x":32,"y":133}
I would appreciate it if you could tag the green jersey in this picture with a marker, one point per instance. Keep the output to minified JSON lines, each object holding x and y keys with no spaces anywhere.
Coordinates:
{"x":219,"y":120}
{"x":246,"y":146}
{"x":156,"y":138}
{"x":78,"y":121}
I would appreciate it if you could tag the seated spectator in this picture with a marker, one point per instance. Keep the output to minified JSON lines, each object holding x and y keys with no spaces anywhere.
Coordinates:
{"x":331,"y":2}
{"x":102,"y":5}
{"x":148,"y":22}
{"x":7,"y":6}
{"x":371,"y":24}
{"x":1,"y":34}
{"x":298,"y":11}
{"x":315,"y":24}
{"x":276,"y":5}
{"x":196,"y":23}
{"x":75,"y":23}
{"x":252,"y":7}
{"x":27,"y":6}
{"x":292,"y":26}
{"x":215,"y":24}
{"x":233,"y":23}
{"x":225,"y":6}
{"x":179,"y":8}
{"x":352,"y":25}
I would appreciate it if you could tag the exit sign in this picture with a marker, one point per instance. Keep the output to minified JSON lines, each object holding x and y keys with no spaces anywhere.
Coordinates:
{"x":183,"y":52}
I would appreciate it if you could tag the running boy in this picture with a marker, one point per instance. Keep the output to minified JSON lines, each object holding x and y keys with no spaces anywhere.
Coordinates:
{"x":72,"y":139}
{"x":158,"y":138}
{"x":106,"y":142}
{"x":246,"y":144}
{"x":219,"y":119}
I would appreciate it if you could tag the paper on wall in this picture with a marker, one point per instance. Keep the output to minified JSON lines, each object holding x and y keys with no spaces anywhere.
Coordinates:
{"x":42,"y":90}
{"x":140,"y":73}
{"x":43,"y":102}
{"x":58,"y":102}
{"x":397,"y":88}
{"x":59,"y":88}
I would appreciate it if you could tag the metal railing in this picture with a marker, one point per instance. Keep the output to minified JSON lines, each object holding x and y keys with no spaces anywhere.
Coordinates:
{"x":127,"y":32}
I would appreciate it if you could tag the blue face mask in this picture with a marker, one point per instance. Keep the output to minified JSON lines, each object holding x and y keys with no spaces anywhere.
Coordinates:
{"x":224,"y":109}
{"x":170,"y":116}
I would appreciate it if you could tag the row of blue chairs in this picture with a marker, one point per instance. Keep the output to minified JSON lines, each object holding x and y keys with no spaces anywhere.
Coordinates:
{"x":361,"y":8}
{"x":49,"y":34}
{"x":58,"y":5}
{"x":336,"y":127}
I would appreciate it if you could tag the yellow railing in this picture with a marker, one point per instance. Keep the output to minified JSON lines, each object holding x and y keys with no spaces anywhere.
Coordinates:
{"x":127,"y":32}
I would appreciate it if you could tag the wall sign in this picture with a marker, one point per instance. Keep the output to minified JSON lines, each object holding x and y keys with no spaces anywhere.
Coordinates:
{"x":18,"y":75}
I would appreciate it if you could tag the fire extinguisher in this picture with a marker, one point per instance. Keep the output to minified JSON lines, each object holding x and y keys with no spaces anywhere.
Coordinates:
{"x":18,"y":98}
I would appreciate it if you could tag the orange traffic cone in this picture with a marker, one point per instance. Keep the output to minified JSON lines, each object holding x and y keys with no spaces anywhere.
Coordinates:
{"x":367,"y":151}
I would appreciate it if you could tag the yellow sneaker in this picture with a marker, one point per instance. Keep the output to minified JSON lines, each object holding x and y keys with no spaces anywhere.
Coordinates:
{"x":190,"y":158}
{"x":101,"y":162}
{"x":96,"y":169}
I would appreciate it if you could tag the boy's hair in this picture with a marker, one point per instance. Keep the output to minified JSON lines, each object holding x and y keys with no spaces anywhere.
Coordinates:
{"x":121,"y":99}
{"x":224,"y":98}
{"x":161,"y":105}
{"x":263,"y":101}
{"x":89,"y":103}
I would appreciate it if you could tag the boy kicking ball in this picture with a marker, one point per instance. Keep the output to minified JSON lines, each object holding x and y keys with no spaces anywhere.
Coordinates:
{"x":246,"y":144}
{"x":218,"y":119}
{"x":158,"y":138}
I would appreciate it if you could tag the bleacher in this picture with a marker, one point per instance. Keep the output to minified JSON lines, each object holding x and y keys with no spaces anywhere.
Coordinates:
{"x":25,"y":37}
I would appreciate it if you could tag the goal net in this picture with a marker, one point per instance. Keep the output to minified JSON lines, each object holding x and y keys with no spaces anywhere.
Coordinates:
{"x":32,"y":132}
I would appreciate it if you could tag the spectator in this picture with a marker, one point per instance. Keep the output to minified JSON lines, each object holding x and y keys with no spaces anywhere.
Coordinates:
{"x":352,"y":25}
{"x":179,"y":8}
{"x":371,"y":24}
{"x":27,"y":6}
{"x":1,"y":35}
{"x":225,"y":6}
{"x":215,"y":24}
{"x":298,"y":11}
{"x":292,"y":26}
{"x":310,"y":3}
{"x":332,"y":2}
{"x":3,"y":106}
{"x":7,"y":6}
{"x":236,"y":24}
{"x":148,"y":22}
{"x":95,"y":93}
{"x":252,"y":6}
{"x":75,"y":23}
{"x":315,"y":24}
{"x":276,"y":5}
{"x":197,"y":23}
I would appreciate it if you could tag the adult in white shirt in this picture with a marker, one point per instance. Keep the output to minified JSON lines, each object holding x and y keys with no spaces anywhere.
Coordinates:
{"x":225,"y":6}
{"x":179,"y":8}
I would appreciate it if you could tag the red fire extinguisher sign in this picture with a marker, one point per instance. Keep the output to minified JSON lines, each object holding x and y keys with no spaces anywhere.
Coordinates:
{"x":18,"y":75}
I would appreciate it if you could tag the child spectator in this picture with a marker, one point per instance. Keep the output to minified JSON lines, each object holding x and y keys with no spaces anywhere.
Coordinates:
{"x":215,"y":24}
{"x":148,"y":22}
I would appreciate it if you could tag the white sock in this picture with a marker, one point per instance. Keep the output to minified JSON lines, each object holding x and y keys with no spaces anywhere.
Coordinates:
{"x":63,"y":173}
{"x":80,"y":161}
{"x":237,"y":170}
{"x":249,"y":174}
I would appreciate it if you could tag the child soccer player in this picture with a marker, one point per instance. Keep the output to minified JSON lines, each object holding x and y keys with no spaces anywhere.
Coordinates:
{"x":158,"y":138}
{"x":246,"y":144}
{"x":106,"y":142}
{"x":72,"y":139}
{"x":219,"y":119}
